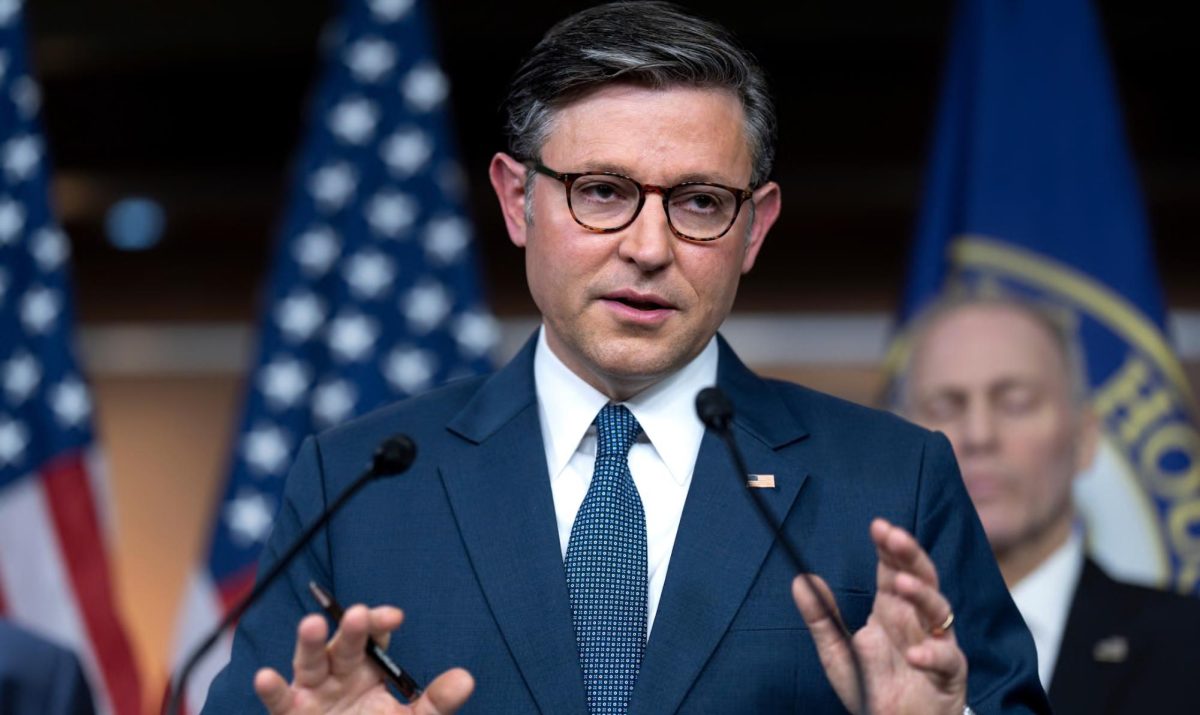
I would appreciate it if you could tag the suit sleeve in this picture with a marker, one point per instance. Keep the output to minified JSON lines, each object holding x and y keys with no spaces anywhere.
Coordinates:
{"x":266,"y":635}
{"x":1000,"y":653}
{"x":70,"y":694}
{"x":39,"y":678}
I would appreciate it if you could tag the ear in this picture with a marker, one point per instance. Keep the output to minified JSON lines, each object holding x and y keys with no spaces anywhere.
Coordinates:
{"x":508,"y":181}
{"x":766,"y":210}
{"x":1088,"y":439}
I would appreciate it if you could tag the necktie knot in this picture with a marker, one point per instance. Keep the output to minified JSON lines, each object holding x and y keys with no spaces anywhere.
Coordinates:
{"x":616,"y":429}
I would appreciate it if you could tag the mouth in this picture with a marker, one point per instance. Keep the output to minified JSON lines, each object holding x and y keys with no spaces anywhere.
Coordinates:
{"x":641,"y":304}
{"x":984,"y":486}
{"x":639,"y":301}
{"x":639,"y":307}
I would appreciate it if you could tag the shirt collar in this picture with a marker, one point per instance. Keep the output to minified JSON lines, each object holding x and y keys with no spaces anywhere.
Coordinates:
{"x":1044,"y":598}
{"x":567,"y":405}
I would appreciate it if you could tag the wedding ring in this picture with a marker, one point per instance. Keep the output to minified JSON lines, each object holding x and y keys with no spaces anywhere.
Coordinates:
{"x":940,"y":630}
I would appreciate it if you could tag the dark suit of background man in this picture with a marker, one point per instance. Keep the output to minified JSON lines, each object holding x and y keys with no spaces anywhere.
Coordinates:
{"x":637,"y":183}
{"x":1004,"y":381}
{"x":38,"y":677}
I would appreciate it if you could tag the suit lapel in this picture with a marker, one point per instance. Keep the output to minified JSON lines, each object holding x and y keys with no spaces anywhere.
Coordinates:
{"x":722,"y":540}
{"x":500,"y":494}
{"x":1092,"y":656}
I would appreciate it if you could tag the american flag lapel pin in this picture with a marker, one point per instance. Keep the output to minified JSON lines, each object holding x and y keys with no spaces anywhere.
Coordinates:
{"x":760,"y":481}
{"x":1113,"y":649}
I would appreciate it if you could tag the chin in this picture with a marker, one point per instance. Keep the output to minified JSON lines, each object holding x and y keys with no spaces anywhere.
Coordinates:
{"x":634,"y":358}
{"x":1005,"y":537}
{"x":635,"y":370}
{"x":999,"y":531}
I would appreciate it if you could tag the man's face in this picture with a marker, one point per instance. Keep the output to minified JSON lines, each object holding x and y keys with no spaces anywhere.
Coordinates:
{"x":992,"y":379}
{"x":625,"y":309}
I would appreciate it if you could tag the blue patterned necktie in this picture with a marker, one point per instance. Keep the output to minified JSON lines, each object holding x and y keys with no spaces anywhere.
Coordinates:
{"x":606,"y":569}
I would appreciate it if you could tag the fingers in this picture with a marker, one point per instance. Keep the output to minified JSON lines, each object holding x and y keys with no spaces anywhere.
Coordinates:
{"x":816,"y":614}
{"x":899,"y":551}
{"x":940,"y":658}
{"x":825,"y":623}
{"x":905,"y":570}
{"x":932,"y":608}
{"x":446,"y":694}
{"x":310,"y":665}
{"x":820,"y":612}
{"x":273,"y":691}
{"x":384,"y":620}
{"x":316,"y":663}
{"x":347,"y":649}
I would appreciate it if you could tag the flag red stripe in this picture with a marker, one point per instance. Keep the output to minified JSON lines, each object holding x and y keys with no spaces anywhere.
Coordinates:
{"x":165,"y":702}
{"x":234,"y":587}
{"x":69,"y":497}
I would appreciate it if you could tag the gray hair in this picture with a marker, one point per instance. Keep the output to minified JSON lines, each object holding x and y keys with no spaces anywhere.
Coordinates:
{"x":655,"y":44}
{"x":1056,"y":324}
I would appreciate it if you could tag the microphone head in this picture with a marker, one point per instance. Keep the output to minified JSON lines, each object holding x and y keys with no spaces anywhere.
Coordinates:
{"x":394,"y":455}
{"x":714,"y":408}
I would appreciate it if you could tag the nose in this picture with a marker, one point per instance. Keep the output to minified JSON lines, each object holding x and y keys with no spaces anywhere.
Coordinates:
{"x":648,"y":241}
{"x":977,"y":429}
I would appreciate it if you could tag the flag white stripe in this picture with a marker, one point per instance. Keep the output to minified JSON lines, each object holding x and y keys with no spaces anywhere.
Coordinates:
{"x":202,"y":610}
{"x":96,"y":468}
{"x":37,"y":587}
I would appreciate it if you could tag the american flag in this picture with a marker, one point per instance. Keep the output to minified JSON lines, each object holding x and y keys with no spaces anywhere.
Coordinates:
{"x":54,"y":512}
{"x":374,"y":294}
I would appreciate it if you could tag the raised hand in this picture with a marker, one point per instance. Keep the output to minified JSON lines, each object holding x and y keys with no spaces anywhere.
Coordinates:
{"x":337,"y":677}
{"x":910,"y":658}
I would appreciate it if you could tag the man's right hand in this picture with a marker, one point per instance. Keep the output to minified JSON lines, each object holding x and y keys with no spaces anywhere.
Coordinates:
{"x":337,"y":677}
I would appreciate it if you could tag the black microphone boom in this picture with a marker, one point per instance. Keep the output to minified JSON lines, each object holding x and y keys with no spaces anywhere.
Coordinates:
{"x":716,"y":412}
{"x":393,"y":456}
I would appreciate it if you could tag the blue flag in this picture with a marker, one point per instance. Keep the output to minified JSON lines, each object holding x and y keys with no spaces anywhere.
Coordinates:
{"x":1031,"y":191}
{"x":374,"y":294}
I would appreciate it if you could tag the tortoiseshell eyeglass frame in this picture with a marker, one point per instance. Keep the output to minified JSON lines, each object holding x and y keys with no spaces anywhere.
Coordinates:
{"x":741,"y":196}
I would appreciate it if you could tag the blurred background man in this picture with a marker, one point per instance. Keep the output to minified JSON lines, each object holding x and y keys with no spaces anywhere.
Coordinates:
{"x":1004,"y":381}
{"x":38,"y":677}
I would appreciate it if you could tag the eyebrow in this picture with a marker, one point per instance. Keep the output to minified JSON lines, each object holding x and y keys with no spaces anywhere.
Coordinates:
{"x":604,"y":166}
{"x":706,"y":179}
{"x":623,"y":170}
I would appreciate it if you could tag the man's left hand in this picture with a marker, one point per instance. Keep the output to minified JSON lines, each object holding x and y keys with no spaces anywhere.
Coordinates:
{"x":910,"y":663}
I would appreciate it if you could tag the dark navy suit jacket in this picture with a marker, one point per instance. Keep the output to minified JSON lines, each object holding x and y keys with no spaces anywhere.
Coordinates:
{"x":466,"y":543}
{"x":38,"y":678}
{"x":1127,"y":649}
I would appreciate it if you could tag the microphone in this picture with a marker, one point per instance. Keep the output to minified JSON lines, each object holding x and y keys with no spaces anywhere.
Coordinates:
{"x":716,"y":412}
{"x":393,"y":456}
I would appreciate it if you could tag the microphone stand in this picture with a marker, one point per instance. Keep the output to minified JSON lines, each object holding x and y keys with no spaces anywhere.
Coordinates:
{"x":394,"y":456}
{"x":716,"y":412}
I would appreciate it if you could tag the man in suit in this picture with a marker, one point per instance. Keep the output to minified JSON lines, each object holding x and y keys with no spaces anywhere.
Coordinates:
{"x":1004,"y":380}
{"x":38,"y":677}
{"x":568,"y":533}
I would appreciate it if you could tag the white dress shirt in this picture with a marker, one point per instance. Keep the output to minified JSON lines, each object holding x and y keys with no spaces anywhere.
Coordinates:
{"x":1044,"y":600}
{"x":661,"y":460}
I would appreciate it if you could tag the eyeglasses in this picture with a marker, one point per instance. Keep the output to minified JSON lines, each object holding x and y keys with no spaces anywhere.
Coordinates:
{"x":606,"y":202}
